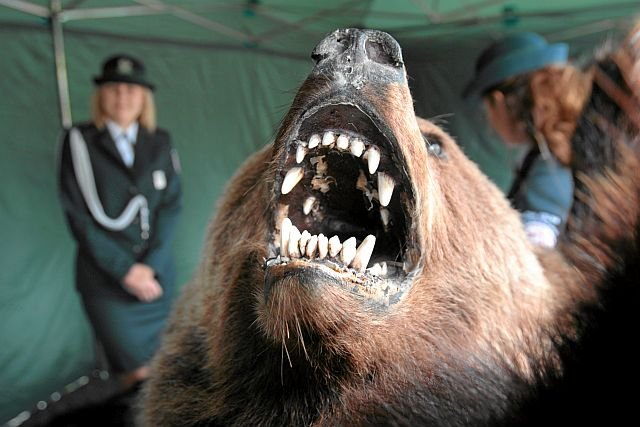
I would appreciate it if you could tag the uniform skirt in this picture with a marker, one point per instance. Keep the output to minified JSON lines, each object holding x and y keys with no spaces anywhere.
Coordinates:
{"x":128,"y":329}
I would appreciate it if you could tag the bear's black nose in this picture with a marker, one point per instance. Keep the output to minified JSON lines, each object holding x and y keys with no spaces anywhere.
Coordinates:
{"x":359,"y":54}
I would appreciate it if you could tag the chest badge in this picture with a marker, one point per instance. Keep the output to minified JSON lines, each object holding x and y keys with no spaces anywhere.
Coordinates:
{"x":159,"y":180}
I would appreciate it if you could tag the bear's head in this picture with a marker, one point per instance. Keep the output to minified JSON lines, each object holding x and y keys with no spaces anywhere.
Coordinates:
{"x":365,"y":230}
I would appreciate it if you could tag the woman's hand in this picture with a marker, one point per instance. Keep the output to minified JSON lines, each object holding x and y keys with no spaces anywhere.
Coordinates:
{"x":141,"y":283}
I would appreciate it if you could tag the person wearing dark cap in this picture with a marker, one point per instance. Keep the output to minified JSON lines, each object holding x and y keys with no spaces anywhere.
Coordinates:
{"x":533,"y":97}
{"x":121,"y":193}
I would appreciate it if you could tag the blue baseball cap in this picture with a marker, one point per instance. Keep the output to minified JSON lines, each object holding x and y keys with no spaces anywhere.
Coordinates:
{"x":513,"y":55}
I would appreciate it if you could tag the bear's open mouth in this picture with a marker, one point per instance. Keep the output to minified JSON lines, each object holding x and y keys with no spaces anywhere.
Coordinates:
{"x":344,"y":197}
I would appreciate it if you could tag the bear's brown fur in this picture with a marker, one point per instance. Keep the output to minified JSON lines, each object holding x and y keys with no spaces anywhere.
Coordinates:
{"x":467,"y":322}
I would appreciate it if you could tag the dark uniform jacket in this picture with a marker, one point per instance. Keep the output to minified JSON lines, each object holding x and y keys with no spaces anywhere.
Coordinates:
{"x":105,"y":256}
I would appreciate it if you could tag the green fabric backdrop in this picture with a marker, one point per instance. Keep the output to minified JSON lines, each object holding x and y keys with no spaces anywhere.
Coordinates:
{"x":219,"y":107}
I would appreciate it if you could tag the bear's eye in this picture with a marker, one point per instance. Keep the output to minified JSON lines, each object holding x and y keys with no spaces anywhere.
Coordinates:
{"x":434,"y":148}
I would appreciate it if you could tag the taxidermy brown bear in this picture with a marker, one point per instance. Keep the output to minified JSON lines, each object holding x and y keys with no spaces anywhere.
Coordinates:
{"x":362,"y":271}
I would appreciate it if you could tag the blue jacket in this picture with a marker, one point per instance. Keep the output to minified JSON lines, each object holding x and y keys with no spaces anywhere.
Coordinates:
{"x":545,"y":194}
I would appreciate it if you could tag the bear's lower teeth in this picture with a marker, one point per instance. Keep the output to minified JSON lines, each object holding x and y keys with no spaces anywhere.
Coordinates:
{"x":295,"y":244}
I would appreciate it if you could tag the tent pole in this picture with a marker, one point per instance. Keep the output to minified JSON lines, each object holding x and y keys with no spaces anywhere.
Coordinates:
{"x":26,"y":7}
{"x":61,"y":64}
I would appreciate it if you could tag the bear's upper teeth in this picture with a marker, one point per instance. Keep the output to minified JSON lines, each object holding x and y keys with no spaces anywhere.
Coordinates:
{"x":301,"y":151}
{"x":294,"y":175}
{"x":308,"y":205}
{"x":321,"y":181}
{"x":314,"y":141}
{"x":328,"y":138}
{"x":343,"y":142}
{"x":385,"y":188}
{"x":356,"y":147}
{"x":373,"y":159}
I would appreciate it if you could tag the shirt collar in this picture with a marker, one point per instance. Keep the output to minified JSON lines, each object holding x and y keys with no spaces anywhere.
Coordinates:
{"x":115,"y":130}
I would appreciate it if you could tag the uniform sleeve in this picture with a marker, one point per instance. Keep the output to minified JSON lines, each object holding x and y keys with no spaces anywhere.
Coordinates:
{"x":91,"y":238}
{"x":548,"y":194}
{"x":166,"y":217}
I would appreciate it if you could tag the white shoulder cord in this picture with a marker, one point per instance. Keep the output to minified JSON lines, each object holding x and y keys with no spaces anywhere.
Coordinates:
{"x":84,"y":176}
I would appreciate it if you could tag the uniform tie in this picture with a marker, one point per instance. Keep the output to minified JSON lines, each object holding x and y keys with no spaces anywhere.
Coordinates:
{"x":125,"y":147}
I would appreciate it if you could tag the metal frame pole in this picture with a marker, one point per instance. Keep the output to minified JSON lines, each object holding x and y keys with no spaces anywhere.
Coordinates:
{"x":26,"y":7}
{"x":61,"y":64}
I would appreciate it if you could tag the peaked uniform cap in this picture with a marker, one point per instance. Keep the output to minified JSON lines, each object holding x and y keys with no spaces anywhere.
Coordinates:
{"x":125,"y":69}
{"x":511,"y":56}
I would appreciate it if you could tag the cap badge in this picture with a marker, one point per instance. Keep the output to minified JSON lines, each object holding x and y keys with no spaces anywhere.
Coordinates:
{"x":125,"y":66}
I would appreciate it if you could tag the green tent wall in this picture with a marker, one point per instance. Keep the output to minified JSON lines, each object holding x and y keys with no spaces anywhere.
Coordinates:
{"x":44,"y":331}
{"x":221,"y":101}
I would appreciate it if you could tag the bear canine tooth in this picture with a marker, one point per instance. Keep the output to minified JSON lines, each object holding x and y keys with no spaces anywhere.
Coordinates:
{"x":301,"y":151}
{"x":314,"y":141}
{"x":308,"y":204}
{"x":304,"y":239}
{"x":363,"y":253}
{"x":293,"y":176}
{"x":328,"y":138}
{"x":334,"y":246}
{"x":348,"y":251}
{"x":312,"y":245}
{"x":385,"y":188}
{"x":356,"y":147}
{"x":373,"y":159}
{"x":343,"y":142}
{"x":285,"y":229}
{"x":323,"y":246}
{"x":294,"y":237}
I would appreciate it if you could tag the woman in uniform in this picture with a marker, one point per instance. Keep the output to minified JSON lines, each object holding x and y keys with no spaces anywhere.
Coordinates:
{"x":121,"y":193}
